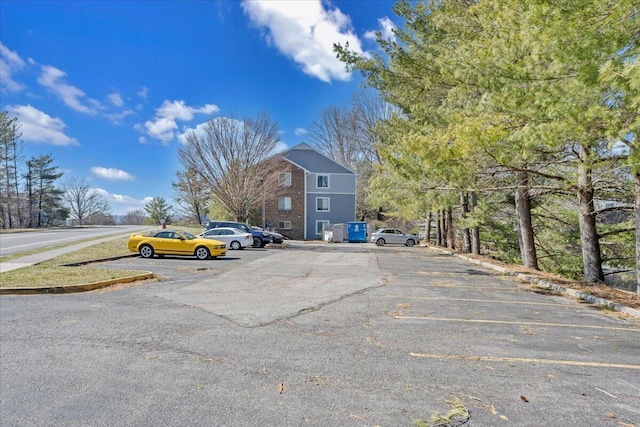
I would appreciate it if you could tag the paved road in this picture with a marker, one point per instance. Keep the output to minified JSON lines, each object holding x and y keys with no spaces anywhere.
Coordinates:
{"x":18,"y":242}
{"x":318,"y":335}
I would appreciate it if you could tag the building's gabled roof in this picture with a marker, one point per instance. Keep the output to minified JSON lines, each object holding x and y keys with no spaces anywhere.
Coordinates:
{"x":313,"y":161}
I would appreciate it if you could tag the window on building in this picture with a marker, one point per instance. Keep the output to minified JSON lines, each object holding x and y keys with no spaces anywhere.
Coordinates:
{"x":284,"y":179}
{"x":320,"y":225}
{"x":284,"y":203}
{"x":323,"y":181}
{"x":322,"y":204}
{"x":284,"y":225}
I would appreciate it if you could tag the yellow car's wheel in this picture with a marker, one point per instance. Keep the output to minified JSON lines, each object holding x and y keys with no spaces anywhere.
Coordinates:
{"x":202,"y":252}
{"x":146,"y":251}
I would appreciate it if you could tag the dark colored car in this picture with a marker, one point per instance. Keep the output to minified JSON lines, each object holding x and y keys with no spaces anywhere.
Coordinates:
{"x":260,"y":238}
{"x":275,"y":237}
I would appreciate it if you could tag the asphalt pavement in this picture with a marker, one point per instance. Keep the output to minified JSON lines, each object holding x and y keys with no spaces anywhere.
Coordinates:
{"x":318,"y":335}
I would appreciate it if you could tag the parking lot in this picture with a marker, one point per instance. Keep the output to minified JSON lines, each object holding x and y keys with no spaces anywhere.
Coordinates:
{"x":317,"y":334}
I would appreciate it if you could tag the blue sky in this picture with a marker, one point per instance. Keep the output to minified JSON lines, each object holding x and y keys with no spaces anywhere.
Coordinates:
{"x":109,"y":88}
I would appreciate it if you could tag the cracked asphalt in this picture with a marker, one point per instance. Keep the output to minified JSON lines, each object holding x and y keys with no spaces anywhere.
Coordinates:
{"x":318,"y":335}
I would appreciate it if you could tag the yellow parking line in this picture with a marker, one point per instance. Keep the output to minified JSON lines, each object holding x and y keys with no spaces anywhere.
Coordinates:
{"x":390,"y":282}
{"x":524,"y":360}
{"x":479,"y":300}
{"x":505,"y":322}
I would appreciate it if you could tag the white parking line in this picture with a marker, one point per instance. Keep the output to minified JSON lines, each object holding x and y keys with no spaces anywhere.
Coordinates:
{"x":524,"y":360}
{"x":505,"y":322}
{"x":479,"y":300}
{"x":502,"y":288}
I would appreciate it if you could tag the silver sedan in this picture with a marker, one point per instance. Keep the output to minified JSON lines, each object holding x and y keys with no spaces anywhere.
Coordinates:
{"x":234,"y":238}
{"x":384,"y":236}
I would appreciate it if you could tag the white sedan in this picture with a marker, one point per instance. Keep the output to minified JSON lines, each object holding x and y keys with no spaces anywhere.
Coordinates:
{"x":234,"y":238}
{"x":393,"y":236}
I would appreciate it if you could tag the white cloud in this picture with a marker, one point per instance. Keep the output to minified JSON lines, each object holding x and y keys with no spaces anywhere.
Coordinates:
{"x":10,"y":63}
{"x":142,"y":93}
{"x":300,"y":131}
{"x":116,"y":99}
{"x":306,"y":32}
{"x":200,"y":131}
{"x":163,"y":127}
{"x":121,"y":204}
{"x":40,"y":127}
{"x":386,"y":30}
{"x":117,"y":117}
{"x":112,"y":174}
{"x":179,"y":110}
{"x":280,"y":147}
{"x":53,"y":79}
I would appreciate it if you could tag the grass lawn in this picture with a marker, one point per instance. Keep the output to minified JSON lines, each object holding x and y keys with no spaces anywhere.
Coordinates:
{"x":53,"y":273}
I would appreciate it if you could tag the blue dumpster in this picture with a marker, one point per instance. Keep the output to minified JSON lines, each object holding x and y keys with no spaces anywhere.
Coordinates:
{"x":357,"y":232}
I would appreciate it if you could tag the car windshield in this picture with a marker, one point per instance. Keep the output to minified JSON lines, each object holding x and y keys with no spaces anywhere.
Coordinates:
{"x":187,"y":235}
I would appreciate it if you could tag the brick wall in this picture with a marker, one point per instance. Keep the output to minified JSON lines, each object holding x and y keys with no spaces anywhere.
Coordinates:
{"x":296,"y":191}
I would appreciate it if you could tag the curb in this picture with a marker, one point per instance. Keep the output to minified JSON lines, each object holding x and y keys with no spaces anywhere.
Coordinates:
{"x":74,"y":288}
{"x":601,"y":302}
{"x":78,"y":264}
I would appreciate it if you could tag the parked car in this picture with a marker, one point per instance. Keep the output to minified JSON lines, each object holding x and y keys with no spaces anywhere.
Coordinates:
{"x":275,"y":237}
{"x":175,"y":242}
{"x":383,"y":236}
{"x":232,"y":237}
{"x":260,"y":238}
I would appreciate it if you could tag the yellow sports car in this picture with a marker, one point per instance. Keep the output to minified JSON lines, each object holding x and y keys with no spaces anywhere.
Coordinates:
{"x":175,"y":242}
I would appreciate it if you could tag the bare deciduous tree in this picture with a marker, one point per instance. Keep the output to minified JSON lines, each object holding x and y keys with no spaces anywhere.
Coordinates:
{"x":82,"y":200}
{"x":229,"y":155}
{"x":335,"y":133}
{"x":349,"y":136}
{"x":135,"y":217}
{"x":191,"y":195}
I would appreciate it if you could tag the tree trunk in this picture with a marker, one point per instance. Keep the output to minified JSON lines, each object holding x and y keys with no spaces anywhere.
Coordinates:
{"x":2,"y":220}
{"x":525,"y":227}
{"x":40,"y":197}
{"x":450,"y":231}
{"x":443,"y":227}
{"x":438,"y":228}
{"x":636,"y":184}
{"x":7,"y":189}
{"x":29,"y":195}
{"x":198,"y":216}
{"x":16,"y":187}
{"x":475,"y":231}
{"x":427,"y":229}
{"x":591,"y":255}
{"x":466,"y":233}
